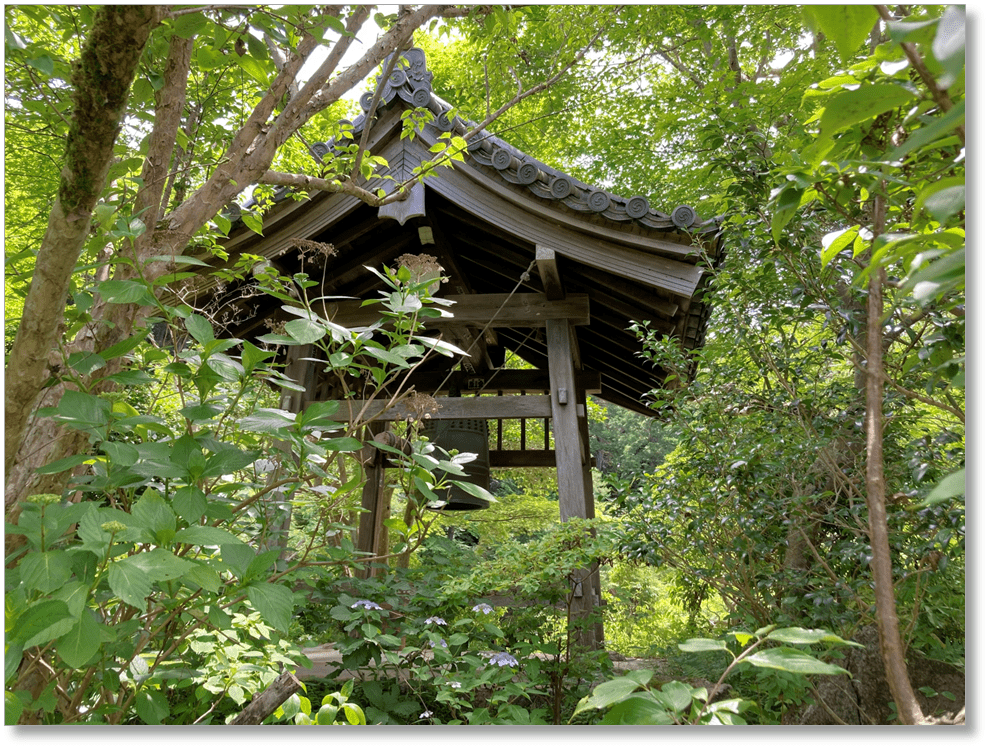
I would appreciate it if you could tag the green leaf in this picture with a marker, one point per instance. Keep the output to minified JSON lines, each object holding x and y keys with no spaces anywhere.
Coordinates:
{"x":129,"y":582}
{"x":305,"y":331}
{"x":45,"y":571}
{"x":228,"y":461}
{"x":701,"y":645}
{"x":865,"y":102}
{"x":203,"y":576}
{"x":943,"y":199}
{"x":273,"y":602}
{"x":793,"y":661}
{"x":800,"y":636}
{"x":152,"y":707}
{"x":786,"y":206}
{"x":126,"y":292}
{"x":613,"y":691}
{"x":268,"y":420}
{"x":160,"y":564}
{"x":199,"y":328}
{"x":835,"y":242}
{"x":81,"y":643}
{"x":848,"y":26}
{"x":251,"y":356}
{"x":34,"y":626}
{"x":207,"y":535}
{"x":639,"y":710}
{"x":13,"y":708}
{"x":82,"y":410}
{"x":190,"y":503}
{"x":948,"y":46}
{"x":237,"y":557}
{"x":253,"y":68}
{"x":152,"y":512}
{"x":942,"y":126}
{"x":951,"y":486}
{"x":342,"y":444}
{"x":252,"y":222}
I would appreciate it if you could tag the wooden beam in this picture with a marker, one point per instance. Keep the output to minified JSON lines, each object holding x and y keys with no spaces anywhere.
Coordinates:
{"x":491,"y":407}
{"x":505,"y":381}
{"x":519,"y":310}
{"x":522,"y":458}
{"x":549,"y":273}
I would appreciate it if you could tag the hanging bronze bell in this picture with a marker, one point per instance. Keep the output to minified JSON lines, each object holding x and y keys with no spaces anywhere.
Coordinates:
{"x":464,"y":436}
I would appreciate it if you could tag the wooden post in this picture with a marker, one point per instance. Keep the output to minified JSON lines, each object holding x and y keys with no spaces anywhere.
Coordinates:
{"x":572,"y":456}
{"x":372,"y":499}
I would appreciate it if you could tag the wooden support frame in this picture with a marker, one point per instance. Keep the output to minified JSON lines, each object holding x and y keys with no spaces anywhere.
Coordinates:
{"x":572,"y":462}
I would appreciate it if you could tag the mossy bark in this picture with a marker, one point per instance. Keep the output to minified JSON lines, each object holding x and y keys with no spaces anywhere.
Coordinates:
{"x":101,"y":79}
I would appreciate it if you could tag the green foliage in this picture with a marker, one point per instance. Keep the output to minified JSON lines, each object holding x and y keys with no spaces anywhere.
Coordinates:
{"x":172,"y":541}
{"x":633,"y":700}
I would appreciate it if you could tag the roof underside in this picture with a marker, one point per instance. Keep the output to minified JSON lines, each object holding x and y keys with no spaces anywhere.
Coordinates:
{"x":486,"y":227}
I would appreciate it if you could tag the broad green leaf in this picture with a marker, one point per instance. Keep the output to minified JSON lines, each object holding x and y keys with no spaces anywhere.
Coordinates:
{"x":305,"y":331}
{"x":252,"y":222}
{"x":13,"y":708}
{"x":228,"y":461}
{"x":126,"y":292}
{"x":261,"y":563}
{"x":943,"y":199}
{"x":45,"y":571}
{"x":253,"y":68}
{"x":952,"y":485}
{"x":274,"y":603}
{"x":81,"y":643}
{"x":638,"y":710}
{"x":129,"y":582}
{"x":944,"y":125}
{"x":948,"y":46}
{"x":701,"y":645}
{"x":851,"y":107}
{"x":199,"y":328}
{"x":251,"y":356}
{"x":64,"y":464}
{"x":154,"y":514}
{"x":33,"y":627}
{"x":190,"y":503}
{"x":160,"y":564}
{"x":124,"y":347}
{"x":342,"y":444}
{"x":82,"y":410}
{"x":237,"y":556}
{"x":800,"y":636}
{"x":677,"y":695}
{"x":268,"y":420}
{"x":613,"y":691}
{"x":792,"y":661}
{"x":202,"y":576}
{"x":848,"y":26}
{"x":206,"y":535}
{"x":835,"y":242}
{"x":152,"y":707}
{"x":786,"y":206}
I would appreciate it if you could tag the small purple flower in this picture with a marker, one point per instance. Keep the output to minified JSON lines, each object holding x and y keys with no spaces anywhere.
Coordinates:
{"x":366,"y":604}
{"x":435,"y":620}
{"x":454,"y":685}
{"x":441,"y":643}
{"x":427,"y":714}
{"x":503,"y":659}
{"x":483,"y":608}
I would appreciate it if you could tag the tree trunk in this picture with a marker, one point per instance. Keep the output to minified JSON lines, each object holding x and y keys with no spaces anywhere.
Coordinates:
{"x":101,"y":78}
{"x":882,"y":569}
{"x":268,"y":701}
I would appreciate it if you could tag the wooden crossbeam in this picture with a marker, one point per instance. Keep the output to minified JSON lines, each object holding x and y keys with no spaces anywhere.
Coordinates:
{"x":505,"y":381}
{"x":492,"y":407}
{"x":525,"y":310}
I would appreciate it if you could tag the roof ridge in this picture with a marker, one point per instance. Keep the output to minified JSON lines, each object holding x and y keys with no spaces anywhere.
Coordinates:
{"x":412,"y":84}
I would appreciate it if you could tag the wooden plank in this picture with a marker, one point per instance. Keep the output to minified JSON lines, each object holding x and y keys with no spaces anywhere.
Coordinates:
{"x":490,"y":407}
{"x":522,"y":458}
{"x":549,"y":273}
{"x":507,"y":380}
{"x":529,"y":310}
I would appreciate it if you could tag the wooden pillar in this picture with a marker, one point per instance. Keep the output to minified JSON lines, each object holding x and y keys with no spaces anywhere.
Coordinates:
{"x":372,"y":498}
{"x":277,"y":508}
{"x":572,"y":457}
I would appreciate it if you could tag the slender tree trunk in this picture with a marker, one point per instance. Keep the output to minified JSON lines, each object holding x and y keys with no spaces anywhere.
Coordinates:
{"x":101,"y":79}
{"x":887,"y":621}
